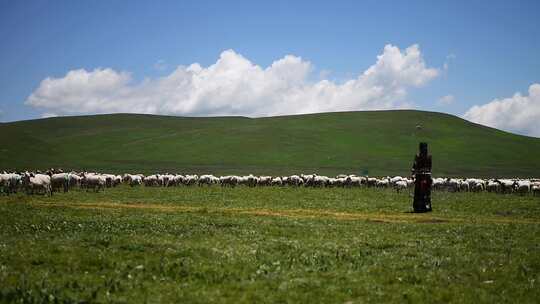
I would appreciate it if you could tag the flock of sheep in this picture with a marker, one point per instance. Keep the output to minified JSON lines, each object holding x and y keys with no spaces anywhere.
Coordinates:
{"x":56,"y":180}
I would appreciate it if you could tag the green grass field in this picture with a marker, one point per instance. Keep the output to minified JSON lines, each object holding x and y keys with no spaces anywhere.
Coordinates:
{"x":243,"y":245}
{"x":376,"y":143}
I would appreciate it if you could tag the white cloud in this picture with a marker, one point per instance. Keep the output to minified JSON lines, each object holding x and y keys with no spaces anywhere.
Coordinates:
{"x":446,"y":100}
{"x":518,"y":113}
{"x":324,"y":74}
{"x":236,"y":86}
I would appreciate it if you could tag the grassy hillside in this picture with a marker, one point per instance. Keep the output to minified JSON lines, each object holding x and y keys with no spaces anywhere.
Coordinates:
{"x":376,"y":143}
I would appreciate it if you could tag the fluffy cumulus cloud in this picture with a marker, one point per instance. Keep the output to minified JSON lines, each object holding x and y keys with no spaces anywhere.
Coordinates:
{"x":233,"y":85}
{"x":518,"y":113}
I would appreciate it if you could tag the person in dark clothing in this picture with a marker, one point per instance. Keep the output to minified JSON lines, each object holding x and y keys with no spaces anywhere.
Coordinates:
{"x":422,"y":180}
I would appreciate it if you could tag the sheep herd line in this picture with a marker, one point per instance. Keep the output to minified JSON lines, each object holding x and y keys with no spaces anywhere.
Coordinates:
{"x":57,"y":181}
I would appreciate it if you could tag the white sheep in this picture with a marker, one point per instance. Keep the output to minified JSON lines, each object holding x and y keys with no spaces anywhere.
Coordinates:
{"x":37,"y":182}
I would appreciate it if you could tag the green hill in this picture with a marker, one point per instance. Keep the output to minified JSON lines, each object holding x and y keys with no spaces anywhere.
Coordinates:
{"x":376,"y":143}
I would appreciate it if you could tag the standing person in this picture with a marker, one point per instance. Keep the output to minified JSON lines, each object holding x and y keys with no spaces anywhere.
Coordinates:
{"x":422,"y":180}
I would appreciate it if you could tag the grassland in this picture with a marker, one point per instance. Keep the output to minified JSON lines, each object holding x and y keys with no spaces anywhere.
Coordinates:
{"x":268,"y":245}
{"x":374,"y":143}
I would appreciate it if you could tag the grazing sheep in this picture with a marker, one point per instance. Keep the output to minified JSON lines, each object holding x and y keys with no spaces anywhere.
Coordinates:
{"x":74,"y":180}
{"x":410,"y":182}
{"x":354,"y":181}
{"x":167,"y":180}
{"x":230,"y":181}
{"x":295,"y":180}
{"x":133,"y":180}
{"x":10,"y":182}
{"x":395,"y":179}
{"x":493,"y":186}
{"x":332,"y":182}
{"x":4,"y":183}
{"x":308,"y":179}
{"x":522,"y":186}
{"x":339,"y":182}
{"x":439,"y":183}
{"x":207,"y":180}
{"x":320,"y":181}
{"x":477,"y":186}
{"x":400,"y":185}
{"x":190,"y":180}
{"x":94,"y":181}
{"x":371,"y":182}
{"x":507,"y":185}
{"x":152,"y":180}
{"x":37,"y":183}
{"x":276,"y":181}
{"x":383,"y":183}
{"x":463,"y":186}
{"x":535,"y":189}
{"x":60,"y":181}
{"x":452,"y":185}
{"x":250,"y":180}
{"x":264,"y":181}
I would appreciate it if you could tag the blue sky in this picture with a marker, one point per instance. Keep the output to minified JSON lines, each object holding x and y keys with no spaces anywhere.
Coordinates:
{"x":481,"y":50}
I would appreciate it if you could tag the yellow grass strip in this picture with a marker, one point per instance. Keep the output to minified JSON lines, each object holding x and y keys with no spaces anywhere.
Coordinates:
{"x":297,"y":213}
